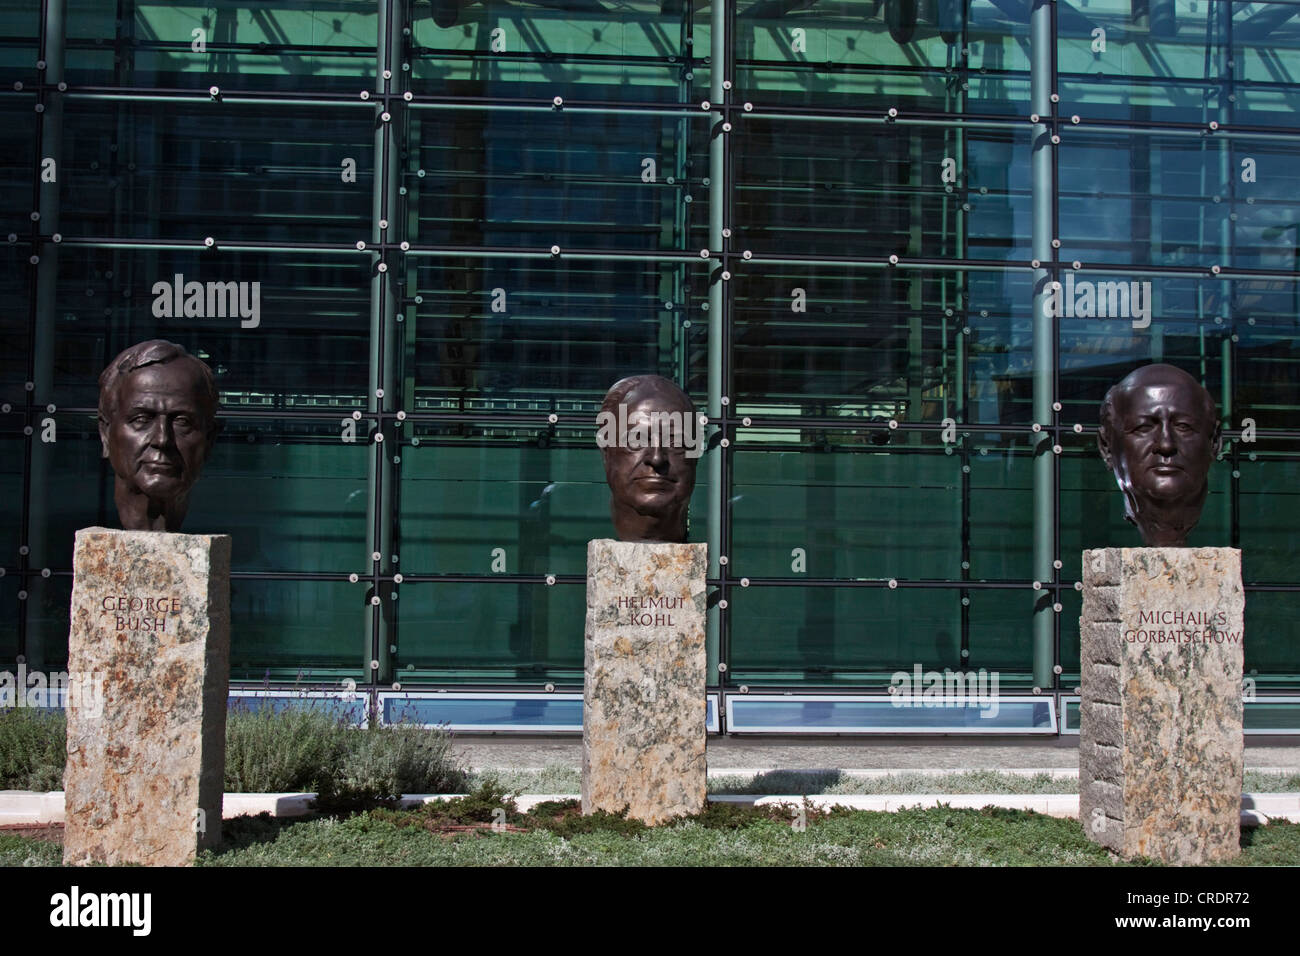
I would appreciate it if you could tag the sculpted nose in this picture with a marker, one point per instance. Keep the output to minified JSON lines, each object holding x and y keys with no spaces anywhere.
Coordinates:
{"x":160,"y":432}
{"x":1165,"y":443}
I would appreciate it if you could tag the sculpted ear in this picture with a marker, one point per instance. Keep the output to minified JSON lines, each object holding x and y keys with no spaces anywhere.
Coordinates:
{"x":1104,"y":447}
{"x":1216,"y":443}
{"x":103,"y":438}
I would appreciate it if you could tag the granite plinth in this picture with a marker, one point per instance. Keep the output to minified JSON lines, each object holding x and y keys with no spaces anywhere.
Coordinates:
{"x":151,"y":619}
{"x":1160,"y":726}
{"x":643,"y":721}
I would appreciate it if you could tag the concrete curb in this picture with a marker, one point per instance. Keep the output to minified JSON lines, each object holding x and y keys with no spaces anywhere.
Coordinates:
{"x":1257,"y":809}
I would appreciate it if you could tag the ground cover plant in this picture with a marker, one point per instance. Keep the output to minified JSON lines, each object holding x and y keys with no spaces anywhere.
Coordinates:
{"x":486,"y":828}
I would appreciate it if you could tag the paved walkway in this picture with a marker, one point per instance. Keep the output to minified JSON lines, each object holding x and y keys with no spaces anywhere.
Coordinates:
{"x":840,"y":753}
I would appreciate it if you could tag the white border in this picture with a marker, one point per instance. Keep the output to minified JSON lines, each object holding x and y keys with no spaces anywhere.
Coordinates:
{"x":711,"y":726}
{"x":921,"y":702}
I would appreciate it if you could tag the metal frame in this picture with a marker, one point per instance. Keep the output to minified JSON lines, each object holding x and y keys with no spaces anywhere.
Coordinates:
{"x":387,"y":96}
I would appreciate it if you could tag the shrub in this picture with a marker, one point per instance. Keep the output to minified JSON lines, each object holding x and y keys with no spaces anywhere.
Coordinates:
{"x":269,"y":751}
{"x":380,"y":764}
{"x":33,"y":749}
{"x":276,"y":752}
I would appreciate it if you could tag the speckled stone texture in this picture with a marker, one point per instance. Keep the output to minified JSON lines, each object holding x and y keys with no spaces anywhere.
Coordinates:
{"x":643,"y":703}
{"x":151,"y":616}
{"x":1160,"y":737}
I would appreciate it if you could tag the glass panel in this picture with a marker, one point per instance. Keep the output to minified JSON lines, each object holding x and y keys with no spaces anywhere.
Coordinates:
{"x":639,"y":51}
{"x":948,"y":56}
{"x":1269,"y":508}
{"x":254,"y":173}
{"x":488,"y":633}
{"x":310,"y":631}
{"x":876,"y":503}
{"x":13,"y":450}
{"x":277,"y":330}
{"x":829,"y":635}
{"x":318,"y":44}
{"x":1265,"y":62}
{"x":20,"y":26}
{"x":493,"y":335}
{"x":807,"y":188}
{"x":512,"y":178}
{"x":1272,"y":657}
{"x":18,"y":126}
{"x":48,"y":605}
{"x":10,"y":611}
{"x":1176,"y":200}
{"x":804,"y":343}
{"x":1143,"y":60}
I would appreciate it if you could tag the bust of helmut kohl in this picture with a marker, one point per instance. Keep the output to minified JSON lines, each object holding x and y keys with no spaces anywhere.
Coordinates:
{"x":157,"y":423}
{"x":651,"y":441}
{"x":1159,"y":432}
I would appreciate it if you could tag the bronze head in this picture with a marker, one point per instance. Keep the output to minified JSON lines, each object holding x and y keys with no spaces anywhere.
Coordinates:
{"x":1159,"y":433}
{"x":649,"y":437}
{"x":157,"y":423}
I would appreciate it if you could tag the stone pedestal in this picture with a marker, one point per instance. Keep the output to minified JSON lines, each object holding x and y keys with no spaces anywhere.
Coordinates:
{"x":151,"y":621}
{"x":643,"y":719}
{"x":1160,"y":736}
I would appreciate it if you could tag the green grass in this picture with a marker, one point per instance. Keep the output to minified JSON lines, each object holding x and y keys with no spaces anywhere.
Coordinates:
{"x":557,"y":834}
{"x":934,"y":836}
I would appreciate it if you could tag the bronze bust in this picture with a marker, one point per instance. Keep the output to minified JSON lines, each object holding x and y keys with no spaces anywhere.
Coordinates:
{"x":157,"y":423}
{"x":1159,"y":433}
{"x":649,"y":438}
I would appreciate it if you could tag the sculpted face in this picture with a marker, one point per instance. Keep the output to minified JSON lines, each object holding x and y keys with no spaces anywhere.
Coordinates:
{"x":157,"y":431}
{"x":650,"y":473}
{"x":1161,"y":437}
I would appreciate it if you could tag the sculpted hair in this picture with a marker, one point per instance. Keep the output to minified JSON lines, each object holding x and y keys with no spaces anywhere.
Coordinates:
{"x":620,"y":390}
{"x":153,"y":352}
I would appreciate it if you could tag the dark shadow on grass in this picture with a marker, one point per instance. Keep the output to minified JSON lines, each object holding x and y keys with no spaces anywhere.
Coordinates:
{"x":238,"y":833}
{"x":792,"y":782}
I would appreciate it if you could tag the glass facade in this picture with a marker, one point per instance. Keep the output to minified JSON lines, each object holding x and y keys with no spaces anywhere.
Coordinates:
{"x":837,"y":225}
